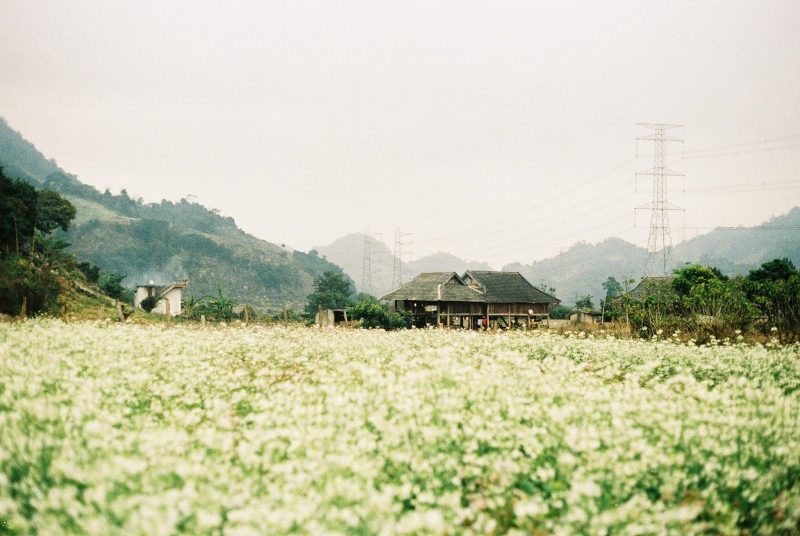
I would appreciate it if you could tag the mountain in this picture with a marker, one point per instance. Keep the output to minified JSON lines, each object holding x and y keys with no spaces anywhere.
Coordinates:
{"x":168,"y":241}
{"x":348,"y":252}
{"x":738,"y":250}
{"x":443,"y":262}
{"x":582,"y":269}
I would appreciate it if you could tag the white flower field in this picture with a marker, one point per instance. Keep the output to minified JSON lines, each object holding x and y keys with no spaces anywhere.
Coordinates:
{"x":124,"y":429}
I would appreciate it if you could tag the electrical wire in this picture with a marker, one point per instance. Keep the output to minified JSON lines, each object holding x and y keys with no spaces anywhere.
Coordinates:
{"x":447,"y":238}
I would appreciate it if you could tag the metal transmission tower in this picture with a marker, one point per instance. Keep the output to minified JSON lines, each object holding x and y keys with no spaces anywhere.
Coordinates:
{"x":369,"y":268}
{"x":659,"y":244}
{"x":397,"y":272}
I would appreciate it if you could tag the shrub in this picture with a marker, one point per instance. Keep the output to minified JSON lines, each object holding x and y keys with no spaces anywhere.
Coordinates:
{"x":149,"y":303}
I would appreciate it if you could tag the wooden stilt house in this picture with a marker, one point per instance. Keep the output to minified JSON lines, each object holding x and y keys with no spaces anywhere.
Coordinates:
{"x":478,"y":299}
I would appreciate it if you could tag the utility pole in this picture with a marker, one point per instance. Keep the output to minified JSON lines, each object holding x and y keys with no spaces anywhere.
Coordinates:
{"x":397,"y":272}
{"x":659,"y":244}
{"x":368,"y":268}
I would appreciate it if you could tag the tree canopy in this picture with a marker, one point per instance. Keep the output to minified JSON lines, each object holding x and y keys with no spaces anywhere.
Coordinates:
{"x":332,"y":290}
{"x":693,"y":275}
{"x":774,"y":270}
{"x":53,"y":212}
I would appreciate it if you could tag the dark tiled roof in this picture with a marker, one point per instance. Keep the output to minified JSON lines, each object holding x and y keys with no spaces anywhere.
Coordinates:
{"x":651,"y":285}
{"x":425,"y":287}
{"x":508,"y":287}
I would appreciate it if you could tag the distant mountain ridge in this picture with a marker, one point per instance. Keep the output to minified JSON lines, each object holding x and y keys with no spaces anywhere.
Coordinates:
{"x":583,"y":268}
{"x":176,"y":240}
{"x":168,"y":241}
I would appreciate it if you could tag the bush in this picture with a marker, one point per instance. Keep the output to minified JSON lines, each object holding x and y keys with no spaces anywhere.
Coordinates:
{"x":90,"y":270}
{"x":19,"y":279}
{"x":372,"y":315}
{"x":149,"y":303}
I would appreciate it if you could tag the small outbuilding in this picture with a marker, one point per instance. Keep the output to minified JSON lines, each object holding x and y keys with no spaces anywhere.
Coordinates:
{"x":331,"y":317}
{"x":168,"y":297}
{"x":586,"y":317}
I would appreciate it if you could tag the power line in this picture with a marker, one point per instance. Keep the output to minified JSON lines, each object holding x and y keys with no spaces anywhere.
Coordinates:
{"x":555,"y":225}
{"x":750,"y":187}
{"x":559,"y":238}
{"x":735,"y":146}
{"x":447,"y":238}
{"x":748,"y":151}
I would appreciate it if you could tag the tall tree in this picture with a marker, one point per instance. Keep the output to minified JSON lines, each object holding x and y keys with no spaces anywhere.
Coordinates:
{"x":17,"y":213}
{"x":332,"y":290}
{"x":53,"y":212}
{"x":613,"y":288}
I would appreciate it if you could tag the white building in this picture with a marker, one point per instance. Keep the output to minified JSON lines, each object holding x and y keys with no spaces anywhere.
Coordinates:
{"x":169,"y":297}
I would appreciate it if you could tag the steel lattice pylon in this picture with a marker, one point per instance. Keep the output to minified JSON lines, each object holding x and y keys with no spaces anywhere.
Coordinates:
{"x":397,"y":271}
{"x":369,"y":268}
{"x":659,"y":244}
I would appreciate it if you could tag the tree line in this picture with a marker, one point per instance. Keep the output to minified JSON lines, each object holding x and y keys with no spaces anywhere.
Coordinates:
{"x":33,"y":260}
{"x":703,"y":302}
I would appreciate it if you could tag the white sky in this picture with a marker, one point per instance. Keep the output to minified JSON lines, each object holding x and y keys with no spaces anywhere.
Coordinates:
{"x":491,"y":124}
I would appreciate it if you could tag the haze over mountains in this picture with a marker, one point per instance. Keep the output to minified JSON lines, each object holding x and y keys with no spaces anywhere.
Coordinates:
{"x":176,"y":240}
{"x":348,"y":252}
{"x":582,"y":269}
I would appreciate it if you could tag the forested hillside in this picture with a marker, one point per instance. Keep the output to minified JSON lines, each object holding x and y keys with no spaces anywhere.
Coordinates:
{"x":169,"y":240}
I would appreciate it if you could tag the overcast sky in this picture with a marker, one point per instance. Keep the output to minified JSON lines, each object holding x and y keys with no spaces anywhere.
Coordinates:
{"x":498,"y":131}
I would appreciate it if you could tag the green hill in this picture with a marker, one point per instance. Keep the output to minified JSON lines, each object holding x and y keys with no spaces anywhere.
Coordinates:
{"x":168,"y":241}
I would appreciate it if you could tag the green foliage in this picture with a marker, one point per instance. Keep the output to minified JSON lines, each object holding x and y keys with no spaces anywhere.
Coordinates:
{"x":149,"y":303}
{"x":21,"y":279}
{"x":720,"y":307}
{"x":29,"y":259}
{"x":332,"y":290}
{"x":50,"y":253}
{"x":365,"y":297}
{"x":613,"y":288}
{"x":772,"y":271}
{"x":585,"y":302}
{"x":17,"y":213}
{"x":111,"y":284}
{"x":219,"y":307}
{"x":774,"y":288}
{"x":782,"y":305}
{"x":559,"y":312}
{"x":372,"y":315}
{"x":695,"y":274}
{"x":53,"y":212}
{"x":90,"y":270}
{"x":248,"y":312}
{"x":399,"y":320}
